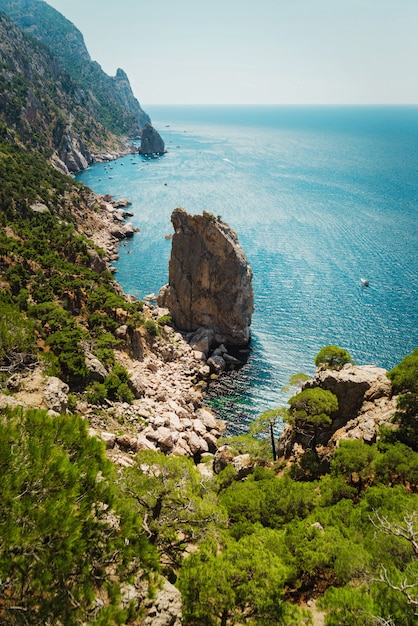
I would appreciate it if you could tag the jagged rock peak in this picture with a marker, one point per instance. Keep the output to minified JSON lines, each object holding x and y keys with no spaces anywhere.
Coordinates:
{"x":151,"y":141}
{"x":210,"y":280}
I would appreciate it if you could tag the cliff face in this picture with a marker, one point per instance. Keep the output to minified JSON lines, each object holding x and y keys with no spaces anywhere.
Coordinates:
{"x":110,"y":98}
{"x":53,"y":98}
{"x":210,"y":281}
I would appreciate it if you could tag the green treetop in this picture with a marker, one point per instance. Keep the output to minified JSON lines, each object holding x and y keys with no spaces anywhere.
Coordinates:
{"x":332,"y":357}
{"x":313,"y":408}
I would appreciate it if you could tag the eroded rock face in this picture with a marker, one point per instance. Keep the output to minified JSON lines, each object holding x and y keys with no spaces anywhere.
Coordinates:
{"x":365,"y":402}
{"x":353,"y":385}
{"x":210,"y":281}
{"x":151,"y":141}
{"x":72,"y":152}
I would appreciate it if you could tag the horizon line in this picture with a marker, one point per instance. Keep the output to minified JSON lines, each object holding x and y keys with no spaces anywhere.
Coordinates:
{"x":285,"y":104}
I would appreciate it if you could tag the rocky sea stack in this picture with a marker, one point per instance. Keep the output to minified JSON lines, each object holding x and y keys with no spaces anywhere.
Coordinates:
{"x":151,"y":141}
{"x":210,"y":281}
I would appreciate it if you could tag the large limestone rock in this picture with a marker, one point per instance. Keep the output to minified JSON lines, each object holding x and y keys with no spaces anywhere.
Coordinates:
{"x":151,"y":141}
{"x":35,"y":390}
{"x":365,"y":402}
{"x":210,"y":281}
{"x":353,"y":385}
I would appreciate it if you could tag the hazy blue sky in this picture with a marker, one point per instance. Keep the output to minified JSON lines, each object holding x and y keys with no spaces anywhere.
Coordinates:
{"x":255,"y":51}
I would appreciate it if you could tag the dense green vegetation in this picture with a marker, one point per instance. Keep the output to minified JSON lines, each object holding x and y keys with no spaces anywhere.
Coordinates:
{"x":67,"y":534}
{"x":241,"y":551}
{"x":347,"y":536}
{"x":74,"y":529}
{"x":405,"y":383}
{"x":53,"y":305}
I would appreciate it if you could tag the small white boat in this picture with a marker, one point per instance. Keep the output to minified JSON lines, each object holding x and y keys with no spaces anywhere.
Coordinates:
{"x":364,"y":282}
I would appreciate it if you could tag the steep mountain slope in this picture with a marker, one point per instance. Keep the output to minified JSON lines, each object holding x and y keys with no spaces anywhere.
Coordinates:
{"x":55,"y":99}
{"x":42,"y":106}
{"x":111,"y":98}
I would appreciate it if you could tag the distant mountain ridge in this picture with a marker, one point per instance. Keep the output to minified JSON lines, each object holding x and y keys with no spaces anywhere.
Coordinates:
{"x":53,"y":96}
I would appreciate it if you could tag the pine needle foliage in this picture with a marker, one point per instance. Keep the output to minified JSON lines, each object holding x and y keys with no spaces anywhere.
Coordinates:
{"x":65,"y":534}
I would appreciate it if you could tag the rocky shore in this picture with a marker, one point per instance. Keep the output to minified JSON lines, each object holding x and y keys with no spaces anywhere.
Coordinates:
{"x":109,"y":227}
{"x":168,"y":377}
{"x":168,"y":413}
{"x":168,"y":372}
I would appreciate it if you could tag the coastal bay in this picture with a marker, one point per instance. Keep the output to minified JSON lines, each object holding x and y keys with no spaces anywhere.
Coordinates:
{"x":320,"y":197}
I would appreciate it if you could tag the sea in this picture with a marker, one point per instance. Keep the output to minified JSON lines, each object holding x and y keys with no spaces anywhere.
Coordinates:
{"x":320,"y":197}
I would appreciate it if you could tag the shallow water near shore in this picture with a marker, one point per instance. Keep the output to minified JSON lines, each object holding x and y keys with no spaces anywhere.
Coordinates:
{"x":320,"y":197}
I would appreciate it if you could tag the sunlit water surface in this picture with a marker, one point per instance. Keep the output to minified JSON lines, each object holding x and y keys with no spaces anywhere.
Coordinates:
{"x":320,"y":197}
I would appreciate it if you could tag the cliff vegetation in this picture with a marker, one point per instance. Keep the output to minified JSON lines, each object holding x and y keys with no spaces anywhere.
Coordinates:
{"x":53,"y":97}
{"x":120,"y":504}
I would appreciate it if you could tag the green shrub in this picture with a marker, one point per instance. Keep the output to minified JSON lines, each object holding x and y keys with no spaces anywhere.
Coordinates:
{"x":96,"y":393}
{"x":332,"y":357}
{"x":313,"y":408}
{"x":404,"y":379}
{"x":151,"y":327}
{"x":17,"y":337}
{"x":404,"y":376}
{"x":124,"y":394}
{"x":115,"y":387}
{"x":66,"y":346}
{"x":165,"y":320}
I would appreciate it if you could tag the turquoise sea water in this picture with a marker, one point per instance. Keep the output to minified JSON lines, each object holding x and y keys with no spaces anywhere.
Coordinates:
{"x":320,"y":197}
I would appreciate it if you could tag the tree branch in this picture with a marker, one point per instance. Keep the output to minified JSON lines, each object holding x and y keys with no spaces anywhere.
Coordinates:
{"x":404,"y":588}
{"x":404,"y":530}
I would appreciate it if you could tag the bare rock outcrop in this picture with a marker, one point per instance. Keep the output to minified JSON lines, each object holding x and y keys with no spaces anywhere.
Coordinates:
{"x":108,"y":229}
{"x":166,"y":609}
{"x":365,"y":403}
{"x":36,"y":390}
{"x":151,"y":141}
{"x":210,"y":281}
{"x":72,"y":153}
{"x":353,"y":385}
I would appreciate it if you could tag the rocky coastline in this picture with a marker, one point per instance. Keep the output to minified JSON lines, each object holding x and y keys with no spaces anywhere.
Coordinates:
{"x":168,"y":372}
{"x":110,"y":227}
{"x":168,"y":376}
